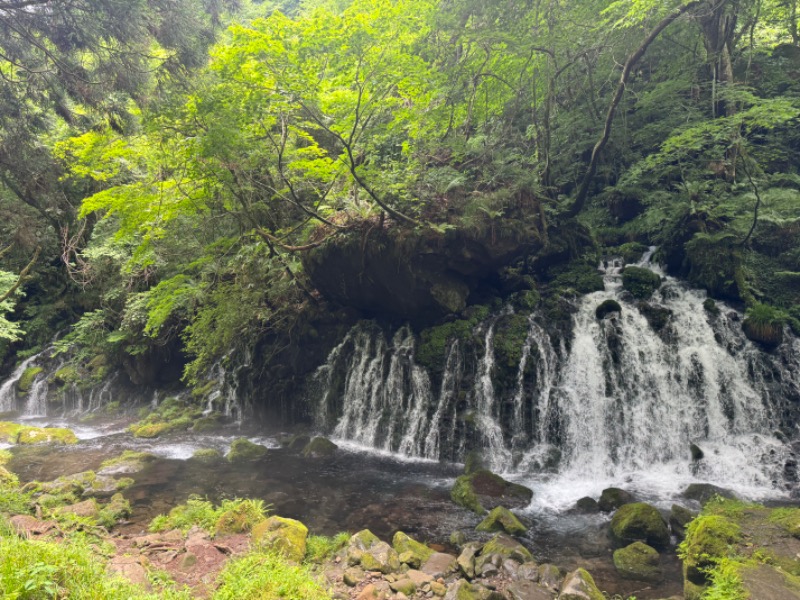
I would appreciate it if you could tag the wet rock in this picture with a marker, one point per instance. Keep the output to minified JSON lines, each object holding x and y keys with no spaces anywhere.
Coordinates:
{"x":528,"y":571}
{"x":550,"y":576}
{"x":411,"y":552}
{"x":473,"y":462}
{"x":639,"y":522}
{"x":128,"y":462}
{"x":612,"y":498}
{"x":419,"y":578}
{"x":404,"y":586}
{"x":579,"y":585}
{"x":638,"y":561}
{"x":641,"y":283}
{"x":587,"y":506}
{"x":243,"y":449}
{"x":483,"y":490}
{"x":284,"y":535}
{"x":466,"y":560}
{"x":502,"y":519}
{"x":703,"y":492}
{"x":319,"y":447}
{"x":527,"y":590}
{"x":298,"y":442}
{"x":696,"y":452}
{"x":47,"y":435}
{"x":679,"y":518}
{"x":606,"y":308}
{"x":657,"y":317}
{"x":439,"y":565}
{"x":766,"y":581}
{"x":206,"y":455}
{"x":131,"y":569}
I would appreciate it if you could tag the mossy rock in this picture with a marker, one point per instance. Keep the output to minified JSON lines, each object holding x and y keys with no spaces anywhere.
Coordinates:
{"x":66,"y":375}
{"x":638,"y":561}
{"x":484,"y":490}
{"x":709,"y":538}
{"x":25,"y":382}
{"x":711,"y":307}
{"x":641,"y":283}
{"x":7,"y":478}
{"x":404,"y":544}
{"x":432,"y":349}
{"x":613,"y":498}
{"x":116,"y":510}
{"x":704,"y":492}
{"x":207,"y":455}
{"x":208,"y":423}
{"x":9,"y":432}
{"x":631,"y":252}
{"x":587,"y":506}
{"x":658,"y":317}
{"x":508,"y":547}
{"x":149,"y":430}
{"x":319,"y":447}
{"x":502,"y":519}
{"x":579,"y":277}
{"x":764,"y":325}
{"x":129,"y":461}
{"x":639,"y":522}
{"x":243,"y":449}
{"x":473,"y":462}
{"x":286,"y":536}
{"x":606,"y":308}
{"x":47,"y":435}
{"x":510,"y":334}
{"x":372,"y":554}
{"x":88,"y":509}
{"x":579,"y":585}
{"x":298,"y":442}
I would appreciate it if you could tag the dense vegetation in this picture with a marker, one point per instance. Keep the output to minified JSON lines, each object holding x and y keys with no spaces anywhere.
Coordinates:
{"x":166,"y":168}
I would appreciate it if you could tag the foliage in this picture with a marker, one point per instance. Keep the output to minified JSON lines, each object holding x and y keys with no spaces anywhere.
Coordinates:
{"x":320,"y":548}
{"x":204,"y":514}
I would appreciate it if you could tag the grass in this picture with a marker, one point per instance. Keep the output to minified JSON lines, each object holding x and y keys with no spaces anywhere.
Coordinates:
{"x":267,"y":576}
{"x":235,"y":514}
{"x":725,"y":582}
{"x":320,"y":548}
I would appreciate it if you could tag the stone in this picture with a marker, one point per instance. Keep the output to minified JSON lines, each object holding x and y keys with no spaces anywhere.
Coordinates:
{"x":528,"y":571}
{"x":243,"y":449}
{"x":86,"y":509}
{"x":373,"y":592}
{"x":464,"y":590}
{"x":46,"y":435}
{"x":466,"y":560}
{"x":641,"y":283}
{"x":679,"y":518}
{"x":638,"y":561}
{"x":287,"y":536}
{"x":696,"y":452}
{"x":502,"y":519}
{"x":579,"y":585}
{"x":438,"y":589}
{"x":411,"y":551}
{"x":298,"y":442}
{"x":703,"y":492}
{"x":131,"y":569}
{"x":587,"y":506}
{"x":319,"y":447}
{"x":550,"y":576}
{"x":639,"y":522}
{"x":404,"y":586}
{"x":612,"y":498}
{"x":372,"y":554}
{"x":27,"y":526}
{"x":440,"y":565}
{"x":483,"y":490}
{"x":419,"y":578}
{"x":353,"y":576}
{"x":527,"y":590}
{"x":506,"y":547}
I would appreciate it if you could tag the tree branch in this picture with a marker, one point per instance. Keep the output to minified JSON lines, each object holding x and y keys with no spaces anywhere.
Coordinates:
{"x":22,"y":275}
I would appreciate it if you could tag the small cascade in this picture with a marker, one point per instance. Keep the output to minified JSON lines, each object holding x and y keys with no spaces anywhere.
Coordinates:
{"x":439,"y":441}
{"x":36,"y":400}
{"x":8,"y":390}
{"x":225,"y":397}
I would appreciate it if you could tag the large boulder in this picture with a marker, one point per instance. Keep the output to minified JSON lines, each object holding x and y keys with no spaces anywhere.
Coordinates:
{"x":641,"y":283}
{"x":507,"y":548}
{"x":464,"y":590}
{"x":703,"y":492}
{"x":639,"y":522}
{"x":483,"y":490}
{"x":638,"y":561}
{"x":579,"y":585}
{"x":284,"y":535}
{"x":319,"y":447}
{"x":243,"y":449}
{"x":410,"y":551}
{"x":612,"y":498}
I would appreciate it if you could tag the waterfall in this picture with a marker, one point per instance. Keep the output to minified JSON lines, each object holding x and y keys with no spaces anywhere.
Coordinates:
{"x":8,"y":391}
{"x":612,"y":401}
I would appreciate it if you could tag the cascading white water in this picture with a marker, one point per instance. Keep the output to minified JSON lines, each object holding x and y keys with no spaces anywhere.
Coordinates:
{"x":8,"y":391}
{"x":621,"y":407}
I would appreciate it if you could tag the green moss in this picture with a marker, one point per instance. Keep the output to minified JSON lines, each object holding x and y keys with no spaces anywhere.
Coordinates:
{"x":153,"y":430}
{"x":510,"y":334}
{"x":319,"y":446}
{"x":639,"y":521}
{"x":579,"y":277}
{"x":207,"y":455}
{"x":244,"y":449}
{"x":505,"y":546}
{"x":711,"y":307}
{"x":9,"y":432}
{"x":641,"y":283}
{"x":502,"y":519}
{"x":25,"y":382}
{"x":47,"y":435}
{"x":434,"y":341}
{"x":285,"y":536}
{"x":638,"y":561}
{"x":463,"y":495}
{"x":320,"y":548}
{"x":607,"y":307}
{"x":129,"y":461}
{"x":403,"y":543}
{"x":788,"y":519}
{"x":630,"y":252}
{"x":709,"y":539}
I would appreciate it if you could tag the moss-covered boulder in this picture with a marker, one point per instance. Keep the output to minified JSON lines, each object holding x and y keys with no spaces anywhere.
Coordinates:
{"x":243,"y":449}
{"x":149,"y":430}
{"x":464,"y":590}
{"x":66,"y":375}
{"x":612,"y":498}
{"x":709,"y":538}
{"x":9,"y":432}
{"x":319,"y":447}
{"x":25,"y":382}
{"x":641,"y":283}
{"x":206,"y":455}
{"x":507,"y":547}
{"x":638,"y":561}
{"x":639,"y":522}
{"x":704,"y":492}
{"x":366,"y":550}
{"x":587,"y":506}
{"x":409,"y":550}
{"x":658,"y":317}
{"x":764,"y":325}
{"x":502,"y":519}
{"x":129,"y":461}
{"x":286,"y":536}
{"x":606,"y":308}
{"x":88,"y":509}
{"x":579,"y":585}
{"x":46,"y":435}
{"x":679,"y":519}
{"x":711,"y":307}
{"x":484,"y":490}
